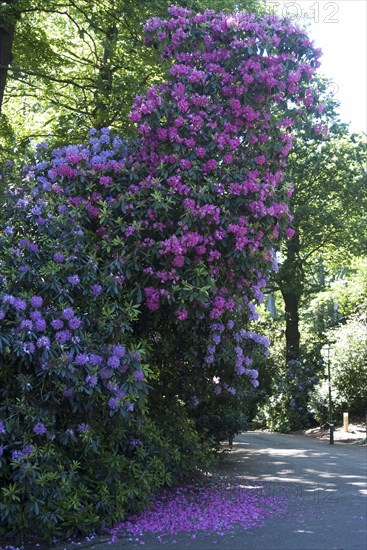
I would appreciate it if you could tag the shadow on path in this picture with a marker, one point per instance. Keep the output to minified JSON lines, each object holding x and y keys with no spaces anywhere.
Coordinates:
{"x":325,"y":489}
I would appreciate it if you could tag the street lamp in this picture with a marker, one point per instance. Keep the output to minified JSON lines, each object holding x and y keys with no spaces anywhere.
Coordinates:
{"x":326,"y":349}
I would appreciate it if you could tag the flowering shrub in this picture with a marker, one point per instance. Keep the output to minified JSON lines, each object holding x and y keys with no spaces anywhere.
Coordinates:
{"x":208,"y":193}
{"x":113,"y":259}
{"x":73,"y":439}
{"x":286,"y":408}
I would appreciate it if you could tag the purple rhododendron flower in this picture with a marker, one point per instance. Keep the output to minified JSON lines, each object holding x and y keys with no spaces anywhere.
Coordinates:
{"x":135,"y":443}
{"x":68,"y":313}
{"x":40,"y":325}
{"x":182,"y":314}
{"x":43,"y":342}
{"x":8,"y":299}
{"x":39,"y":428}
{"x":96,"y":289}
{"x":113,"y":362}
{"x":2,"y":427}
{"x":29,"y":347}
{"x":74,"y":323}
{"x":26,"y":324}
{"x":63,"y":336}
{"x":36,"y":211}
{"x":119,"y":351}
{"x":28,"y":449}
{"x":105,"y":373}
{"x":139,"y":375}
{"x":135,"y":355}
{"x":9,"y":230}
{"x":36,"y":301}
{"x":32,"y":247}
{"x":17,"y":455}
{"x":95,"y":359}
{"x":59,"y":258}
{"x":35,"y":315}
{"x":19,"y":304}
{"x":152,"y":297}
{"x":114,"y":403}
{"x":91,"y":380}
{"x":57,"y":324}
{"x":83,"y":428}
{"x":81,"y":359}
{"x":105,"y":181}
{"x":74,"y":280}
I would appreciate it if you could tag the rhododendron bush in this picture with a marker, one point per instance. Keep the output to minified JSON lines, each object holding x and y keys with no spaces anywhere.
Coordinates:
{"x":208,"y":197}
{"x":125,"y":267}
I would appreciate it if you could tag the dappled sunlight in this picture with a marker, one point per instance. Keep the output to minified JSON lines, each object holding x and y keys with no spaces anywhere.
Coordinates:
{"x":306,"y":469}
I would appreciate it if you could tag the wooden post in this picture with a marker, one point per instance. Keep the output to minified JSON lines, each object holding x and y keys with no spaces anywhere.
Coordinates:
{"x":345,"y":422}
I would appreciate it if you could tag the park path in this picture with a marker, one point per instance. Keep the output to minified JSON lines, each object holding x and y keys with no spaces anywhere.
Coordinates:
{"x":325,"y":486}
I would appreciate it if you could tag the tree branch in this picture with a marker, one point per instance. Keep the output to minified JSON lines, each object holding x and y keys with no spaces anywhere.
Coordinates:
{"x":53,"y":78}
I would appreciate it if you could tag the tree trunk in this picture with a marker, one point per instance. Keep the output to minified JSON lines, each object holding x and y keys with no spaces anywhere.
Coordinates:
{"x":7,"y":30}
{"x":104,"y":88}
{"x":290,"y":281}
{"x":292,"y":334}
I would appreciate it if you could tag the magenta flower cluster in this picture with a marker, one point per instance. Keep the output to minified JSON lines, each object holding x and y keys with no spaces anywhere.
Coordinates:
{"x":213,"y":145}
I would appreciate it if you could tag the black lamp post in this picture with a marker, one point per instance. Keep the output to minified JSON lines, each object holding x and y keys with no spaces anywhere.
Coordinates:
{"x":327,"y":348}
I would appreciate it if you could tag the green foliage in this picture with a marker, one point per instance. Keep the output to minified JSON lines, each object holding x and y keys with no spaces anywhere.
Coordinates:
{"x":224,"y":416}
{"x":334,"y":314}
{"x":348,"y":371}
{"x":329,"y":207}
{"x":285,"y":408}
{"x":79,"y":64}
{"x":343,"y":294}
{"x":182,"y":444}
{"x":76,"y":489}
{"x":319,"y":402}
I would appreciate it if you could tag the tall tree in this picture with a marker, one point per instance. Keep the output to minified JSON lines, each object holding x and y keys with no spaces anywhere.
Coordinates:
{"x":329,"y":206}
{"x":8,"y":17}
{"x":74,"y":64}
